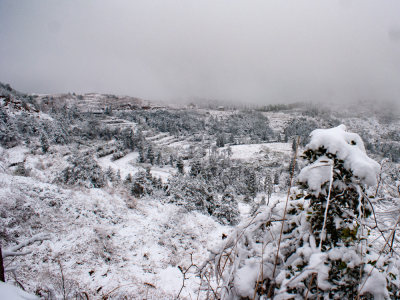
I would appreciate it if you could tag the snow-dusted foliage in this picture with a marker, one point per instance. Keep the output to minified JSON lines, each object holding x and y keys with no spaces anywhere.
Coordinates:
{"x":83,"y":170}
{"x":319,"y":246}
{"x":300,"y":127}
{"x":194,"y":193}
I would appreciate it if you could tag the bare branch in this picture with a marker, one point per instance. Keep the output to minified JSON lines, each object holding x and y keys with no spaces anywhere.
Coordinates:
{"x":184,"y":274}
{"x":35,"y":238}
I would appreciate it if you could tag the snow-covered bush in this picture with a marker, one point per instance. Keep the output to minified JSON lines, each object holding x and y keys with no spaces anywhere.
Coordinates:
{"x":105,"y":150}
{"x":8,"y":133}
{"x":20,"y":170}
{"x":118,"y":155}
{"x":226,"y":209}
{"x":144,"y":184}
{"x":83,"y":170}
{"x":194,"y":193}
{"x":44,"y":143}
{"x":319,"y":246}
{"x":127,"y":138}
{"x":300,"y":127}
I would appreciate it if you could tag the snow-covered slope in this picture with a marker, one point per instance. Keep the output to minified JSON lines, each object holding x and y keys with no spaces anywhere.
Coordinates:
{"x":112,"y":242}
{"x":101,"y":241}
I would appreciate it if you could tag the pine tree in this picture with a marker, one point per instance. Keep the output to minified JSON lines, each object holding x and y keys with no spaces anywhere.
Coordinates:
{"x":142,"y":157}
{"x":159,"y":160}
{"x":127,"y":138}
{"x":83,"y":170}
{"x":251,"y":182}
{"x":138,"y":188}
{"x":226,"y":209}
{"x":110,"y":174}
{"x":149,"y":177}
{"x":220,"y":141}
{"x":294,"y":145}
{"x":171,"y":160}
{"x":180,"y":166}
{"x":128,"y":179}
{"x":118,"y":177}
{"x":195,"y":168}
{"x":44,"y":143}
{"x":276,"y":178}
{"x":268,"y":187}
{"x":150,"y":154}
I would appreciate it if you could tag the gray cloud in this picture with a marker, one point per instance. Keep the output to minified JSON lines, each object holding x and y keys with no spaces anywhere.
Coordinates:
{"x":248,"y":51}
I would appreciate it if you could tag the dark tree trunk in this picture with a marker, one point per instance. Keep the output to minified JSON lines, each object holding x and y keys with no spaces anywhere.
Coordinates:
{"x":2,"y":278}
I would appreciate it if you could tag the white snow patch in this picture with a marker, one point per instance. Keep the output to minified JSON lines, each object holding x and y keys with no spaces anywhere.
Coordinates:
{"x":317,"y":174}
{"x":245,"y":278}
{"x":10,"y":292}
{"x":170,"y":279}
{"x":123,"y":164}
{"x":375,"y":284}
{"x":164,"y":173}
{"x":251,"y":151}
{"x":16,"y":154}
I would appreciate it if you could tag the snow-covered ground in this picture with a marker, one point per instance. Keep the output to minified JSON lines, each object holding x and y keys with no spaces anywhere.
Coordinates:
{"x":254,"y":151}
{"x":105,"y":244}
{"x":126,"y":164}
{"x":113,"y":243}
{"x":163,"y":172}
{"x":110,"y":244}
{"x":10,"y":292}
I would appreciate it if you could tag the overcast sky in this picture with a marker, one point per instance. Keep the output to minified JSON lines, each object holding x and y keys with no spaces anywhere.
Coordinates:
{"x":248,"y":51}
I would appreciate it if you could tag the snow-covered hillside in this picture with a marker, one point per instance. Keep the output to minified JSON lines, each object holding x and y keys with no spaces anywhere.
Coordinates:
{"x":132,"y":198}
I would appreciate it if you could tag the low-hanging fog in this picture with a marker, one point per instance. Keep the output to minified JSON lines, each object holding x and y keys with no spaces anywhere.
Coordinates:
{"x":243,"y":51}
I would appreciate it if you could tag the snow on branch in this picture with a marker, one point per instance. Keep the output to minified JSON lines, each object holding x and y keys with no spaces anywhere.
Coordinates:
{"x":13,"y":250}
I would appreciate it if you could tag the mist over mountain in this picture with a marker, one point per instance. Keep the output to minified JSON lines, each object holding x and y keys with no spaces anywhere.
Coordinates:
{"x":260,"y":52}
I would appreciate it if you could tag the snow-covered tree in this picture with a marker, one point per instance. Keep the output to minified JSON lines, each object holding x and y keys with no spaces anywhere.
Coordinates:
{"x":320,"y":248}
{"x":44,"y":143}
{"x":143,"y":184}
{"x":180,"y":165}
{"x":127,"y":138}
{"x":138,"y":188}
{"x":195,"y":168}
{"x":159,"y":159}
{"x":220,"y":140}
{"x":150,"y":154}
{"x":268,"y":187}
{"x":276,"y":178}
{"x":194,"y":193}
{"x":226,"y":209}
{"x":9,"y":136}
{"x":83,"y":170}
{"x":141,"y":158}
{"x":59,"y":133}
{"x":128,"y":179}
{"x":251,"y":183}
